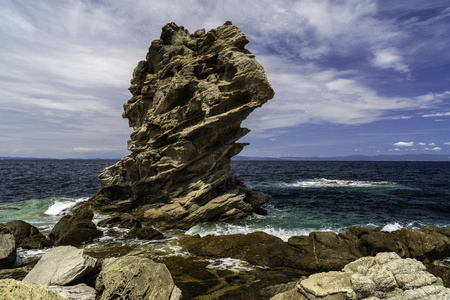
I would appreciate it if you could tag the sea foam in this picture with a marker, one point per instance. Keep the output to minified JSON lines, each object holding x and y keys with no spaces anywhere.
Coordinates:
{"x":61,"y":206}
{"x":205,"y":229}
{"x":323,"y":182}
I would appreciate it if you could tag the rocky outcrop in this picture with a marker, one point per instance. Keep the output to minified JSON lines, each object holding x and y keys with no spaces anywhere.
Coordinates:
{"x":75,"y":229}
{"x":136,"y":278}
{"x":11,"y":289}
{"x":8,"y":252}
{"x":325,"y":251}
{"x":385,"y":276}
{"x":190,"y":96}
{"x":28,"y":236}
{"x":61,"y":266}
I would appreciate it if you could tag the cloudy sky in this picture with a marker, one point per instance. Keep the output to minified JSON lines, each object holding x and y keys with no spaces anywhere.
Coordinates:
{"x":351,"y":76}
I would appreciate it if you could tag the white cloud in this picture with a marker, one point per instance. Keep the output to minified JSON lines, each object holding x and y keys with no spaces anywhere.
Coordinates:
{"x":436,"y":149}
{"x":447,"y":143}
{"x":431,"y":144}
{"x":389,"y":59}
{"x":404,"y":144}
{"x":421,"y":144}
{"x":446,"y":114}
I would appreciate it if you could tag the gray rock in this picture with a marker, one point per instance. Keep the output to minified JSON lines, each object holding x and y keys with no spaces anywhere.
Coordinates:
{"x":61,"y":266}
{"x":76,"y":292}
{"x":190,"y":97}
{"x":8,"y":252}
{"x":136,"y":278}
{"x":11,"y":289}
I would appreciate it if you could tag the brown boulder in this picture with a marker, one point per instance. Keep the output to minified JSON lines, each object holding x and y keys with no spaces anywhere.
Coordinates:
{"x":27,"y":236}
{"x":75,"y":229}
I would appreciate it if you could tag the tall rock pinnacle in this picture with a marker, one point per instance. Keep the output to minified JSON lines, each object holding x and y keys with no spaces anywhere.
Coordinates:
{"x":190,"y":97}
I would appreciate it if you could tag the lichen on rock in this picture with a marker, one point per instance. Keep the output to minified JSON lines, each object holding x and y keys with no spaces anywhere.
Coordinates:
{"x":190,"y":97}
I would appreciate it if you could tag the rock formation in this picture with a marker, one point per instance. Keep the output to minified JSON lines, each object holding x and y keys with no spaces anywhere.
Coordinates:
{"x":385,"y":276}
{"x":190,"y":96}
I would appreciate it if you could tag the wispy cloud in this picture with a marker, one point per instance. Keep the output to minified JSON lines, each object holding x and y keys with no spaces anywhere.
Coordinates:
{"x":404,"y":144}
{"x":65,"y":65}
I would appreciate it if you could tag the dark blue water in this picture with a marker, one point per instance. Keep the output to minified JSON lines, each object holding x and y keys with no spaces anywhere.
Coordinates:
{"x":306,"y":196}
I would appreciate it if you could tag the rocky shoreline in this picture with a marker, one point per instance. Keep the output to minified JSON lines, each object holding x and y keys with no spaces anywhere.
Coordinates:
{"x":266,"y":265}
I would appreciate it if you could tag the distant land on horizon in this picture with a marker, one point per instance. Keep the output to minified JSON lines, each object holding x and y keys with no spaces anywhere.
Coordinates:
{"x":399,"y":157}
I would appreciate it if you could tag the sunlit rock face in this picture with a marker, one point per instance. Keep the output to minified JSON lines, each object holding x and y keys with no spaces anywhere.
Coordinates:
{"x":190,"y":97}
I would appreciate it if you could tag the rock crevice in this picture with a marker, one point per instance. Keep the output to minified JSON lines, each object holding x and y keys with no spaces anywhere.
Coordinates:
{"x":190,"y":97}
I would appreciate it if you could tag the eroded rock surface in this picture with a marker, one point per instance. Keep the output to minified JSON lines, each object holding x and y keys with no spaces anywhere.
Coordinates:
{"x":11,"y":289}
{"x":385,"y":276}
{"x":136,"y":278}
{"x":190,"y":96}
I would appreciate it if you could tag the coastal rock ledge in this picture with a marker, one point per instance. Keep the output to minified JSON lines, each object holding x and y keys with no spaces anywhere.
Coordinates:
{"x":190,"y":97}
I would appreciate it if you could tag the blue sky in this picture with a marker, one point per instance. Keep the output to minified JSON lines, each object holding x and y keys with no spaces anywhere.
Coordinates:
{"x":350,"y":77}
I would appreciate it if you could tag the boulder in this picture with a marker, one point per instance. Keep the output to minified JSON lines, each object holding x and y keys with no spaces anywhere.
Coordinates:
{"x":28,"y":236}
{"x":385,"y":276}
{"x":76,"y":292}
{"x":8,"y":252}
{"x":61,"y":266}
{"x":189,"y":98}
{"x":75,"y":229}
{"x":11,"y":289}
{"x":134,"y":277}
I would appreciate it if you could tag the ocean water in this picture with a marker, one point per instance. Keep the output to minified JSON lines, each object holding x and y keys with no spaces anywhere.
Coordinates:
{"x":306,"y":196}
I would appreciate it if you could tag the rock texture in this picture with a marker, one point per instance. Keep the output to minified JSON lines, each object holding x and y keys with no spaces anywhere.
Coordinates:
{"x":385,"y":276}
{"x":61,"y":266}
{"x":11,"y":289}
{"x":190,"y":96}
{"x":8,"y":252}
{"x":136,"y":278}
{"x":28,"y":236}
{"x":76,"y":292}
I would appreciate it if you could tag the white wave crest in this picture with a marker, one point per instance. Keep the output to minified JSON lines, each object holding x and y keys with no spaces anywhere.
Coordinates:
{"x":61,"y":206}
{"x":323,"y":182}
{"x":205,"y":229}
{"x":392,"y":227}
{"x":228,"y":263}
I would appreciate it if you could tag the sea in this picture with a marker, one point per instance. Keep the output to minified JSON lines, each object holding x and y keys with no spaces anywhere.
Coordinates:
{"x":306,"y":196}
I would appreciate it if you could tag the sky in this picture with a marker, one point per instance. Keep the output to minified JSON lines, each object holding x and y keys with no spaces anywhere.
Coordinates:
{"x":360,"y":77}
